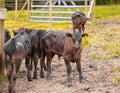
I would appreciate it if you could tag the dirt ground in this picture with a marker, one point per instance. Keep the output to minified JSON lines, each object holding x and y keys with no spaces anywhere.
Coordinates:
{"x":97,"y":74}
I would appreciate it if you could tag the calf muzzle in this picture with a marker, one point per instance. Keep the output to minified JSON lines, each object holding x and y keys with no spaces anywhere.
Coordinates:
{"x":76,"y":47}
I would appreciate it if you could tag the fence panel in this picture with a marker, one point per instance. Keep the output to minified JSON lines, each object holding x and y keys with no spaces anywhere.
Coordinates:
{"x":62,"y":10}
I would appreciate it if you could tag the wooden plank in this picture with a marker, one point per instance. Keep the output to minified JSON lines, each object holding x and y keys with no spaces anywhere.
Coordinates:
{"x":94,"y":10}
{"x":91,"y":6}
{"x":50,"y":15}
{"x":16,"y":8}
{"x":2,"y":3}
{"x":86,"y":4}
{"x":2,"y":13}
{"x":28,"y":9}
{"x":21,"y":9}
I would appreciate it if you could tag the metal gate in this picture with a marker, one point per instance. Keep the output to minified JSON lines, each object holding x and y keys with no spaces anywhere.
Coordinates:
{"x":62,"y":10}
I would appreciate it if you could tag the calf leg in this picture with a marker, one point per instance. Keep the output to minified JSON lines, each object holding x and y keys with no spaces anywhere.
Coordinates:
{"x":49,"y":59}
{"x":8,"y":72}
{"x":42,"y":63}
{"x":9,"y":69}
{"x":16,"y":67}
{"x":35,"y":67}
{"x":28,"y":69}
{"x":13,"y":76}
{"x":9,"y":76}
{"x":68,"y":65}
{"x":31,"y":65}
{"x":79,"y":70}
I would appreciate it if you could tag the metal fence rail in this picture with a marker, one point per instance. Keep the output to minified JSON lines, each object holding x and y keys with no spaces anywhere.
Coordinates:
{"x":62,"y":10}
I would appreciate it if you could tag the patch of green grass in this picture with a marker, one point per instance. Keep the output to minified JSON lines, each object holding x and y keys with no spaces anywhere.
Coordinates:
{"x":85,"y":42}
{"x":117,"y":79}
{"x":96,"y":56}
{"x":2,"y":78}
{"x":112,"y":69}
{"x":107,"y":11}
{"x":107,"y":39}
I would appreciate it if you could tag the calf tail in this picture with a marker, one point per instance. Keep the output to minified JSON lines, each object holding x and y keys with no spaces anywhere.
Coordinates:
{"x":43,"y":54}
{"x":10,"y":66}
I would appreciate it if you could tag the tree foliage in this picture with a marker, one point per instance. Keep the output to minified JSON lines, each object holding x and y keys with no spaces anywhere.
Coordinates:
{"x":103,"y":2}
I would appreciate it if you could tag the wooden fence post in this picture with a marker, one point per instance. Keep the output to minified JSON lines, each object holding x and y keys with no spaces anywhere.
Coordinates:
{"x":28,"y":8}
{"x":94,"y":10}
{"x":21,"y":9}
{"x":50,"y":15}
{"x":16,"y":8}
{"x":90,"y":9}
{"x":86,"y":9}
{"x":2,"y":17}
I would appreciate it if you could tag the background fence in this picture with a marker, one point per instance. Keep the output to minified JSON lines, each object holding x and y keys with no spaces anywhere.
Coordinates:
{"x":62,"y":10}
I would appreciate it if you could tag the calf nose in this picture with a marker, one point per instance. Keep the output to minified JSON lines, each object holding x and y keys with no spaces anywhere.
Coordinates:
{"x":76,"y":47}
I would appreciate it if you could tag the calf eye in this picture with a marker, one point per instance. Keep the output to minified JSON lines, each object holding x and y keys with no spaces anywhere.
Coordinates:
{"x":73,"y":39}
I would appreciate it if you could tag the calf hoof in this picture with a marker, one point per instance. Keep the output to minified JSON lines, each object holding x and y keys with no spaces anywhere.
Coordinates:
{"x":48,"y":78}
{"x":35,"y":77}
{"x":41,"y":75}
{"x":69,"y":83}
{"x":82,"y":80}
{"x":29,"y":79}
{"x":11,"y":91}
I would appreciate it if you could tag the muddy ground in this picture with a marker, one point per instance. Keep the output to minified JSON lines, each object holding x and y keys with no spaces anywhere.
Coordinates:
{"x":97,"y":74}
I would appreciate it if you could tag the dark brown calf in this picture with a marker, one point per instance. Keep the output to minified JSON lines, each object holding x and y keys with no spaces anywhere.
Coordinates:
{"x":15,"y":50}
{"x":35,"y":38}
{"x":67,"y":45}
{"x":79,"y":19}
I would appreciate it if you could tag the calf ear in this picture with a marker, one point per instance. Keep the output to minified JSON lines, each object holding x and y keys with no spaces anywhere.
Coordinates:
{"x":85,"y":34}
{"x":69,"y":35}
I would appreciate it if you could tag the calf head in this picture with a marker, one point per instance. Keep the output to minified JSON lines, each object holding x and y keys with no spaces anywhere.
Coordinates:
{"x":79,"y":22}
{"x":76,"y":39}
{"x":7,"y":35}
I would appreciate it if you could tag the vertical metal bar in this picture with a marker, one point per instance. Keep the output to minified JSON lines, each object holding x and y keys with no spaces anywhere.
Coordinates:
{"x":50,"y":15}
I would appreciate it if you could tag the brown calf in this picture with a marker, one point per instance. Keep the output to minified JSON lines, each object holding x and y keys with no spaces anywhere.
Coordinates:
{"x":79,"y":19}
{"x":67,"y":45}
